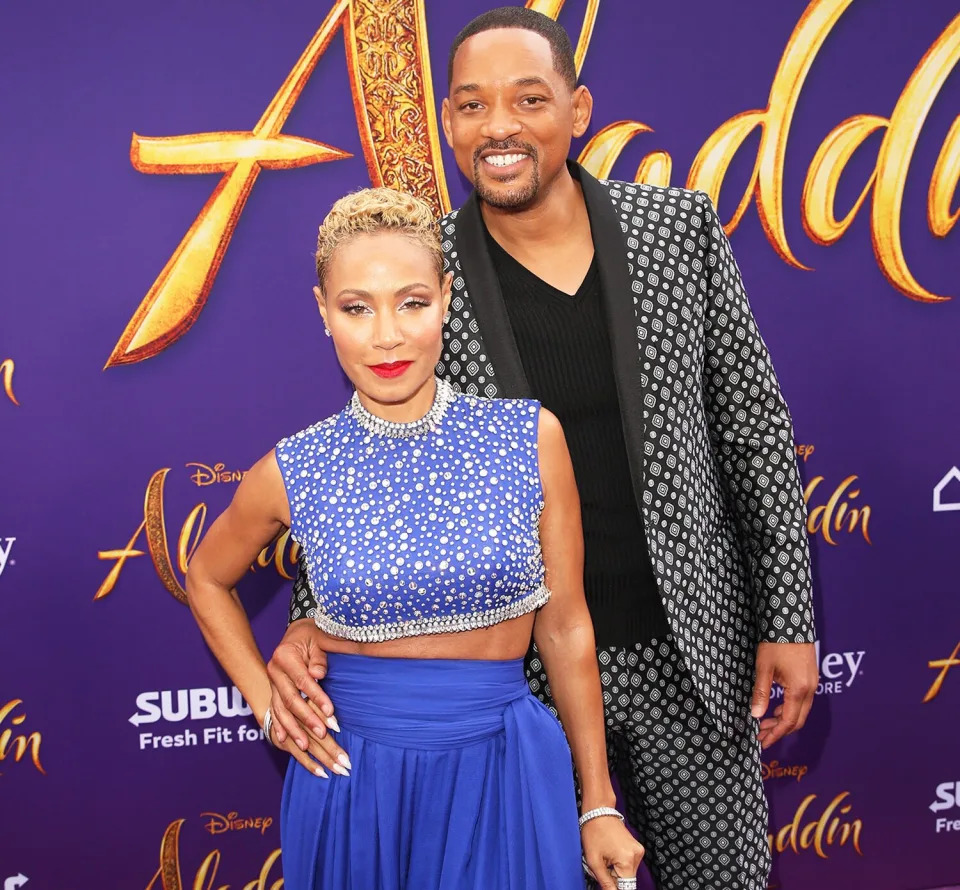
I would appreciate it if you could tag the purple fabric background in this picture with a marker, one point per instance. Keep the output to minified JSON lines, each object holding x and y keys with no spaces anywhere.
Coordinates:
{"x":871,"y":377}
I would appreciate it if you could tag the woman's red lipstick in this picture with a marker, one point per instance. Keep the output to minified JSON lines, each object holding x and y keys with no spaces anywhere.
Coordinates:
{"x":390,"y":369}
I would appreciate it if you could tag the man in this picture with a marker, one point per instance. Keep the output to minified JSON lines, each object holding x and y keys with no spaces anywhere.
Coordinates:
{"x":621,"y":308}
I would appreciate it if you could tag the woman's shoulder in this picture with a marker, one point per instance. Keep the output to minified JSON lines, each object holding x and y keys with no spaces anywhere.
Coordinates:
{"x":316,"y":432}
{"x":483,"y":408}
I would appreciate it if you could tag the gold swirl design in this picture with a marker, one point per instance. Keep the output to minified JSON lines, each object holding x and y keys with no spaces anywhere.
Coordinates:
{"x":389,"y":62}
{"x":169,"y":871}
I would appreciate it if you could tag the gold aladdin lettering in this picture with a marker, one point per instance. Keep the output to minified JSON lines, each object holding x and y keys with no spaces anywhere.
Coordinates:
{"x":819,"y":834}
{"x":167,"y":876}
{"x":388,"y":65}
{"x":837,"y":515}
{"x":944,"y":665}
{"x":818,"y":211}
{"x":20,"y":744}
{"x":6,"y":374}
{"x":282,"y":553}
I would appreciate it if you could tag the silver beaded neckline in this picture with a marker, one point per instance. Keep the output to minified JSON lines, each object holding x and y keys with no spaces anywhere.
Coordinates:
{"x":379,"y":426}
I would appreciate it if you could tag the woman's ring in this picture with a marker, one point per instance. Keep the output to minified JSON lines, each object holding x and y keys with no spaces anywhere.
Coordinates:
{"x":627,"y":883}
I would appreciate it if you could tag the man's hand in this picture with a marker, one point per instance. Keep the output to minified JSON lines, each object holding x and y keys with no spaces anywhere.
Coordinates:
{"x":794,"y":667}
{"x":296,"y":666}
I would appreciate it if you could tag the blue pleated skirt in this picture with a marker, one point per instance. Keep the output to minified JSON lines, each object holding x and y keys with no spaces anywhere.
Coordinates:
{"x":461,"y":779}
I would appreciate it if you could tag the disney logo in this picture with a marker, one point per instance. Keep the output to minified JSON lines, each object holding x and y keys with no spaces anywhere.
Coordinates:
{"x":205,"y":475}
{"x":773,"y":770}
{"x":219,"y":824}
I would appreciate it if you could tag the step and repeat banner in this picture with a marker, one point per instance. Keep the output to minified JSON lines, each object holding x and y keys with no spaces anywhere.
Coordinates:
{"x":164,"y":168}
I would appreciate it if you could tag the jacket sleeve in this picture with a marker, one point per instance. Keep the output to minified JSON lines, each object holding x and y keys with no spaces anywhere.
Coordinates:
{"x":752,"y":436}
{"x":302,"y":600}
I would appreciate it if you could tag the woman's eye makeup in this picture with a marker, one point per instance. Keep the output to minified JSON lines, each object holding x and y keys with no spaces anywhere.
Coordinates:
{"x":360,"y":308}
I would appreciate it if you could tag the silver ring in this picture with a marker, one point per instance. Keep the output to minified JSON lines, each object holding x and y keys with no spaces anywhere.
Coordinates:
{"x":627,"y":883}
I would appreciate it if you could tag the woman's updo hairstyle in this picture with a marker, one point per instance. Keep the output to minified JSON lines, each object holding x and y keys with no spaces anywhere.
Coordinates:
{"x":373,"y":210}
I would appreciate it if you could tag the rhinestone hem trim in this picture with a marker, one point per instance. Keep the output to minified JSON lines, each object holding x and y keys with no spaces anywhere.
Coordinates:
{"x":424,"y":626}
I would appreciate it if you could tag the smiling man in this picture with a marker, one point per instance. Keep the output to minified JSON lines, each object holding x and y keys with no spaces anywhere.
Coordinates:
{"x":620,"y":307}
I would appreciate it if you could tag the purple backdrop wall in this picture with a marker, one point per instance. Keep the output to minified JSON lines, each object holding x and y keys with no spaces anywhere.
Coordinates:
{"x":122,"y":745}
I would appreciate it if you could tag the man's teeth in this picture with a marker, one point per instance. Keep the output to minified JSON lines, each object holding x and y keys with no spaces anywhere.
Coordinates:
{"x":503,"y":160}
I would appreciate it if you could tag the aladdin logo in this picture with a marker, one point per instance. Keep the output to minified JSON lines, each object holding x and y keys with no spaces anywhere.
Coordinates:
{"x":221,"y":824}
{"x":282,"y":553}
{"x":943,"y":665}
{"x":6,"y":545}
{"x":838,"y":670}
{"x":18,"y":745}
{"x":837,"y":514}
{"x":179,"y":293}
{"x":205,"y":475}
{"x":948,"y":797}
{"x":167,"y":876}
{"x":6,"y":374}
{"x":775,"y":770}
{"x":807,"y":831}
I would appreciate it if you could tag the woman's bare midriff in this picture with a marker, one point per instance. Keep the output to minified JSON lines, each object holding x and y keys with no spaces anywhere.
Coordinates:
{"x":501,"y":642}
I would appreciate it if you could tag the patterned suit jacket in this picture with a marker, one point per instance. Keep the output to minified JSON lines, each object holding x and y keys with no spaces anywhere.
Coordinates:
{"x":709,"y":436}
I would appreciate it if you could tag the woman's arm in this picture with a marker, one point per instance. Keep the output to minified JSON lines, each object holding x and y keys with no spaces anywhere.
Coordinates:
{"x":258,"y":512}
{"x":563,"y":633}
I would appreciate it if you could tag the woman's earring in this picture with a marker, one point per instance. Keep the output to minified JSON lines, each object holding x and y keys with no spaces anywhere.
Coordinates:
{"x":446,"y":318}
{"x":326,"y":330}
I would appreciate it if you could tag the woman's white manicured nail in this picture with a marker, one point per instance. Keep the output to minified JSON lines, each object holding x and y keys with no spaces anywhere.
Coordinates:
{"x":332,"y":723}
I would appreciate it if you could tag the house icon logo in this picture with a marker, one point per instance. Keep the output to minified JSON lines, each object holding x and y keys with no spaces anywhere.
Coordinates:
{"x":946,"y":493}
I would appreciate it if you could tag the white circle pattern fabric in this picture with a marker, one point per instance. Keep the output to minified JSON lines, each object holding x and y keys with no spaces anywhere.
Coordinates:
{"x":421,"y":528}
{"x":693,"y":794}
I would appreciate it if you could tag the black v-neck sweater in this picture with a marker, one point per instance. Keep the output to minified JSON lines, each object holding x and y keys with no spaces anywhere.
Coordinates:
{"x":568,"y":362}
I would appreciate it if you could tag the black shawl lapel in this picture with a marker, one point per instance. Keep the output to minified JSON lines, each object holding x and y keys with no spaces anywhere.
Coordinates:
{"x":483,"y":288}
{"x":610,"y":246}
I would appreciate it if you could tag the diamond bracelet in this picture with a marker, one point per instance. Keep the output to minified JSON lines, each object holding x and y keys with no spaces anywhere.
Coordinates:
{"x":599,"y":811}
{"x":267,"y":726}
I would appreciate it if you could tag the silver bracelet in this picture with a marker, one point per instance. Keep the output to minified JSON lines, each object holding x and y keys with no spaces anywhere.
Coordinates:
{"x":599,"y":811}
{"x":267,"y":726}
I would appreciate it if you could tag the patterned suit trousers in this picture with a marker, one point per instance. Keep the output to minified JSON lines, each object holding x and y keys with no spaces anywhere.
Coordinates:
{"x":693,"y":794}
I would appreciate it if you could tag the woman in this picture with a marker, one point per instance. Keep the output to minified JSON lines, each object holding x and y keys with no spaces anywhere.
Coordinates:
{"x":441,"y":532}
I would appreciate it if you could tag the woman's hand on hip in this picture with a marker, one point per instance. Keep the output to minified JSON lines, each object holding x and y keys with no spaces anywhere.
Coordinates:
{"x":319,"y":756}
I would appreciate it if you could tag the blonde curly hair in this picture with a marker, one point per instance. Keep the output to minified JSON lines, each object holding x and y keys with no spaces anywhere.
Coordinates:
{"x":374,"y":210}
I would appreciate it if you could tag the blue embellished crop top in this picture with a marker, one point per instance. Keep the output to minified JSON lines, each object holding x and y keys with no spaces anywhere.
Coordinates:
{"x":419,"y":528}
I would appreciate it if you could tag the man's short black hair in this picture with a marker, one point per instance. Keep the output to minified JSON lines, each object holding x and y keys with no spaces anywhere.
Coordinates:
{"x":528,"y":20}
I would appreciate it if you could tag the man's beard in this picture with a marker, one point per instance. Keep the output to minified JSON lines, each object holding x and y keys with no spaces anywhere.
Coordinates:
{"x":514,"y":198}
